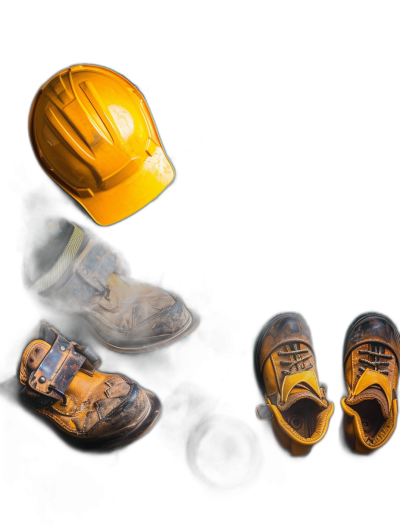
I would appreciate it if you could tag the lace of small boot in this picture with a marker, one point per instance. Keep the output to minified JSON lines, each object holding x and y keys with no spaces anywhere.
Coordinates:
{"x":376,"y":363}
{"x":297,"y":353}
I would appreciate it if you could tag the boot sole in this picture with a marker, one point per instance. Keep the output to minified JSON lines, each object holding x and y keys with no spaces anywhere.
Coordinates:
{"x":107,"y":445}
{"x":136,"y":346}
{"x":191,"y":325}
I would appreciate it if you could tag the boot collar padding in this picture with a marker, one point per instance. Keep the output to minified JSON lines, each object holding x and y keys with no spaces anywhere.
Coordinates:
{"x":91,"y":274}
{"x":369,"y":378}
{"x":367,"y":442}
{"x":320,"y":430}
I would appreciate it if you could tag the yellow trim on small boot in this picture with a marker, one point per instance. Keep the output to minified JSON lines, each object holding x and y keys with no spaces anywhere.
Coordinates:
{"x":306,"y":377}
{"x":285,"y":434}
{"x":362,"y":445}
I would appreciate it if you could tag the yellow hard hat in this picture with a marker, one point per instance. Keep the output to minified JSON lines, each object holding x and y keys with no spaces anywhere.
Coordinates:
{"x":93,"y":133}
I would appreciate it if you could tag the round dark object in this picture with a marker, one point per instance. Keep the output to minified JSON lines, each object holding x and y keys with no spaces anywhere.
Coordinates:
{"x":296,"y":422}
{"x":223,"y":452}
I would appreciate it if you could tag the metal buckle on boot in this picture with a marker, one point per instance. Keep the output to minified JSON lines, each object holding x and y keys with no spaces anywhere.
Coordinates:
{"x":59,"y":366}
{"x":263,"y":412}
{"x":64,"y":398}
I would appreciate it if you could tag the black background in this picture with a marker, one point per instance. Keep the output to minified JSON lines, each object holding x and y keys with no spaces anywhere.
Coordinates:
{"x":285,"y":198}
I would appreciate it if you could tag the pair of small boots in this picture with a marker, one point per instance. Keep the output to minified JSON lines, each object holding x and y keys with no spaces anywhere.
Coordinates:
{"x":300,"y":412}
{"x":72,"y":271}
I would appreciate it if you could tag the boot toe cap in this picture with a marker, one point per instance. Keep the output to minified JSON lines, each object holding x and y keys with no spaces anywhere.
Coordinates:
{"x":140,"y":410}
{"x":167,"y":321}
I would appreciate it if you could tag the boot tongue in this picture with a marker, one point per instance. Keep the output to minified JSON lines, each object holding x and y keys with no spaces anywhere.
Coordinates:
{"x":300,"y":392}
{"x":373,"y":385}
{"x":298,"y":387}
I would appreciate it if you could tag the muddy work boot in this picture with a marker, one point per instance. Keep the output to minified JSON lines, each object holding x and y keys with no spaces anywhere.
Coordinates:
{"x":96,"y":410}
{"x":287,"y":375}
{"x":371,"y":361}
{"x":78,"y":274}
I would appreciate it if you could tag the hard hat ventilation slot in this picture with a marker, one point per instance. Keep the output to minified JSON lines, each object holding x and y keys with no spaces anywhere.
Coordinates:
{"x":61,"y":91}
{"x":106,"y":120}
{"x":67,"y":132}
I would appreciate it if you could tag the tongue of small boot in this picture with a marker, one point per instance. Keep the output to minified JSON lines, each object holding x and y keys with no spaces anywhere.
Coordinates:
{"x":298,"y":387}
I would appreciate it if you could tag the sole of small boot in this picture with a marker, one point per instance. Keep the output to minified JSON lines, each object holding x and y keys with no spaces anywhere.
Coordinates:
{"x":105,"y":445}
{"x":190,"y":326}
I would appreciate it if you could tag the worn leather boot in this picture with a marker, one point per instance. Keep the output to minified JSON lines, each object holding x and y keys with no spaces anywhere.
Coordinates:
{"x":82,"y":275}
{"x":371,"y":361}
{"x":95,"y":409}
{"x":287,"y":375}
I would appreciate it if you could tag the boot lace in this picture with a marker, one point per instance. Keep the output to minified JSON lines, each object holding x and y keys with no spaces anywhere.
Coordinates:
{"x":298,"y":358}
{"x":376,"y":363}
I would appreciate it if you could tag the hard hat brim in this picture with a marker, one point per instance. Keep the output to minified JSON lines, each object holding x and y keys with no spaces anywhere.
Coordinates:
{"x":107,"y":207}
